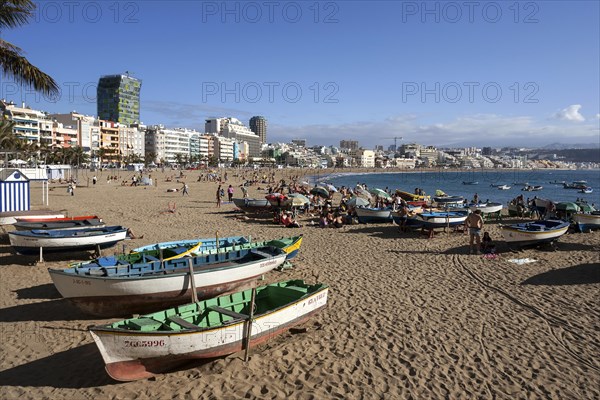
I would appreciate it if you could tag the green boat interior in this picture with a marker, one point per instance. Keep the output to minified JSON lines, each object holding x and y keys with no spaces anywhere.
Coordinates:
{"x":220,"y":311}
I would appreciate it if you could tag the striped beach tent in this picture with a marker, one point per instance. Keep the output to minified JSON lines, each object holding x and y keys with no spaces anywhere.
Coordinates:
{"x":14,"y":190}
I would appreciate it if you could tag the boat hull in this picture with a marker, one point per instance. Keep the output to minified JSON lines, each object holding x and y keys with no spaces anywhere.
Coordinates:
{"x":441,"y":219}
{"x":587,"y":222}
{"x":64,"y":225}
{"x":10,"y":217}
{"x":113,"y":295}
{"x":488,"y":208}
{"x":30,"y":245}
{"x":253,"y":205}
{"x":132,"y":355}
{"x":372,"y":215}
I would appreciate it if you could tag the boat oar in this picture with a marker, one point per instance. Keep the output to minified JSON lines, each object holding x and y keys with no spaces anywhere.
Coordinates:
{"x":192,"y":280}
{"x":250,"y":320}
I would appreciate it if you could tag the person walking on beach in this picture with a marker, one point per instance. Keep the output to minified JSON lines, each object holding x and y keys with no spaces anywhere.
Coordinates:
{"x":230,"y":193}
{"x":184,"y":189}
{"x":475,"y":224}
{"x":94,"y":179}
{"x":219,"y":196}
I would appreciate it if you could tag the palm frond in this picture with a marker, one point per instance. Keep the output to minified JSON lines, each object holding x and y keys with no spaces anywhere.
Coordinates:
{"x":14,"y":13}
{"x":17,"y":67}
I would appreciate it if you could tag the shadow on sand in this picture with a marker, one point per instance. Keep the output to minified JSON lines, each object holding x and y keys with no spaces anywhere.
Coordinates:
{"x":52,"y":310}
{"x":61,"y":370}
{"x":576,"y":275}
{"x":46,"y":292}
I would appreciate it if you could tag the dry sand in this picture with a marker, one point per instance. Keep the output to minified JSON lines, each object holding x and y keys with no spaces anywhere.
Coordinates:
{"x":408,"y":317}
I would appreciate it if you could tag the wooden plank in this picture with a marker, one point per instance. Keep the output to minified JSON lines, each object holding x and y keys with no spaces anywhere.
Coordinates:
{"x":228,"y":312}
{"x":182,"y":322}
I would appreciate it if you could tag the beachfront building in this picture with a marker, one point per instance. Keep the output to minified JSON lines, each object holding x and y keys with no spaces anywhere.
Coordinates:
{"x":364,"y":158}
{"x":349,"y":144}
{"x":88,"y":130}
{"x":224,"y":148}
{"x":131,"y":143}
{"x":118,"y":98}
{"x":108,"y":152}
{"x":233,"y":128}
{"x":430,"y":156}
{"x":64,"y":136}
{"x":170,"y":146}
{"x":27,"y":121}
{"x":258,"y":125}
{"x":405,"y":163}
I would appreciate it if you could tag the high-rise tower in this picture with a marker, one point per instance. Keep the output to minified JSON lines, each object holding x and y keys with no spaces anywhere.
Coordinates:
{"x":258,"y":125}
{"x":118,"y":99}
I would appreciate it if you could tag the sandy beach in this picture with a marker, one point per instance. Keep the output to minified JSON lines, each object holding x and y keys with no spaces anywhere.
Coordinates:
{"x":407,"y":317}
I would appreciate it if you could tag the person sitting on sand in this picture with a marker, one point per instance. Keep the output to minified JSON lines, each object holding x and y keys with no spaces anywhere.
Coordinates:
{"x":131,"y":235}
{"x":323,"y":220}
{"x":288,"y":221}
{"x":487,"y":246}
{"x":338,"y":221}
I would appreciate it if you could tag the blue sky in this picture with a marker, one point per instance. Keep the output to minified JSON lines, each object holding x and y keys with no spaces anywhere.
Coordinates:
{"x":438,"y":73}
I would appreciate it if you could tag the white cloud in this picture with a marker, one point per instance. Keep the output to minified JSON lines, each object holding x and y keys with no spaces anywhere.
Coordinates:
{"x":570,"y":113}
{"x":471,"y":130}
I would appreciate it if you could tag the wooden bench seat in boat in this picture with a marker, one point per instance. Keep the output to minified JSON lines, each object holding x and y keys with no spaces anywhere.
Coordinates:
{"x":182,"y":322}
{"x":230,"y":313}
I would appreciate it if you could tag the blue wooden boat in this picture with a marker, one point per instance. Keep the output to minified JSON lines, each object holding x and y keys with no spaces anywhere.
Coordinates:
{"x":373,"y":215}
{"x":29,"y":242}
{"x":441,"y":219}
{"x":532,"y":233}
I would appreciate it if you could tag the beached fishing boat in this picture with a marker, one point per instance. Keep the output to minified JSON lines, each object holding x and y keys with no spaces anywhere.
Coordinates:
{"x":151,"y":284}
{"x":373,"y":215}
{"x":587,"y":222}
{"x":53,"y":219}
{"x":253,"y":205}
{"x":412,"y":197}
{"x":29,"y":242}
{"x":206,"y":244}
{"x":59,"y":223}
{"x":10,"y":217}
{"x":191,"y":248}
{"x":446,"y":201}
{"x":532,"y":233}
{"x":440,"y":219}
{"x":291,"y":245}
{"x":486,"y":208}
{"x":141,"y":347}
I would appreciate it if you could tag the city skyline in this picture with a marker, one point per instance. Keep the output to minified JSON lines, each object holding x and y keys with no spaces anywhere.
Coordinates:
{"x":496,"y":74}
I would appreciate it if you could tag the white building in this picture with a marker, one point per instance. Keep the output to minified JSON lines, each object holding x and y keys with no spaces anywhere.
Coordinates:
{"x":233,"y":128}
{"x":224,"y":148}
{"x":364,"y":158}
{"x":27,"y":121}
{"x":168,"y":144}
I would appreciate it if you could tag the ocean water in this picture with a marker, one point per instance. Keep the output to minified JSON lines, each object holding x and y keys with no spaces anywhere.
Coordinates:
{"x":451,"y":182}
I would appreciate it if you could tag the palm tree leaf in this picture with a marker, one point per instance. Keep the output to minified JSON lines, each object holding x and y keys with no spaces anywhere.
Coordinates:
{"x":24,"y":72}
{"x":14,"y":13}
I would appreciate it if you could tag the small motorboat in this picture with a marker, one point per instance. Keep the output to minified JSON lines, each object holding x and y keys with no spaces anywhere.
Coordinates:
{"x":586,"y":190}
{"x":486,"y":208}
{"x":531,"y":188}
{"x":470,"y":183}
{"x":503,"y":187}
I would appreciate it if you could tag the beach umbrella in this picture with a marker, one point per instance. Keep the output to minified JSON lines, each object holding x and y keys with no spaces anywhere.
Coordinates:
{"x":567,"y":206}
{"x":586,"y":208}
{"x":362,"y":192}
{"x":320,"y":191}
{"x":380,"y":193}
{"x":298,"y":200}
{"x":357,"y":202}
{"x":329,"y":187}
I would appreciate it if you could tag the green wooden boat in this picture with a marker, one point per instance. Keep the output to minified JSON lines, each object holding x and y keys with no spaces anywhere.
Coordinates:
{"x":138,"y":348}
